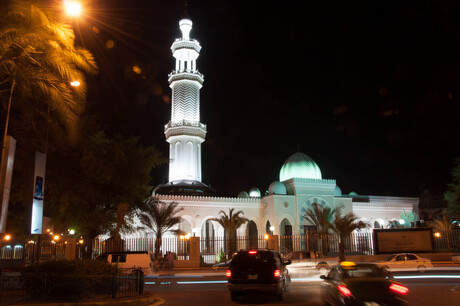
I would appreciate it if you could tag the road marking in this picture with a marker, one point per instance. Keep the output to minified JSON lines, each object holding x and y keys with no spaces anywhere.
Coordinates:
{"x":174,"y":276}
{"x":305,"y":279}
{"x":201,"y":282}
{"x":425,"y":276}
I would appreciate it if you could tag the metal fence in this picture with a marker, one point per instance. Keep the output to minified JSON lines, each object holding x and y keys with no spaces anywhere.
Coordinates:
{"x":22,"y":286}
{"x":18,"y":255}
{"x":447,"y":241}
{"x":210,"y":247}
{"x":175,"y":245}
{"x":358,"y":243}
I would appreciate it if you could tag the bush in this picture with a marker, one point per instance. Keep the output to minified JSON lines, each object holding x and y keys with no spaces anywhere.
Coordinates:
{"x":68,"y":278}
{"x":220,"y":257}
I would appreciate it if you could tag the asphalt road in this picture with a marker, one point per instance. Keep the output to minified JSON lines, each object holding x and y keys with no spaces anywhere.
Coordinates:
{"x":212,"y":290}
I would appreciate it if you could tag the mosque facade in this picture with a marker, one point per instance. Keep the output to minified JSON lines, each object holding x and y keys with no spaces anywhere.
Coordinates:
{"x":280,"y":211}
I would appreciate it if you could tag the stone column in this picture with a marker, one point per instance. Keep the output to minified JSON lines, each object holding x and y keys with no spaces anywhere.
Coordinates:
{"x":273,"y":242}
{"x":70,"y":248}
{"x":195,"y":250}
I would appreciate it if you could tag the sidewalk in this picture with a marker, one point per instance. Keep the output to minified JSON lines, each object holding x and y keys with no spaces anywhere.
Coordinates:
{"x":141,"y":300}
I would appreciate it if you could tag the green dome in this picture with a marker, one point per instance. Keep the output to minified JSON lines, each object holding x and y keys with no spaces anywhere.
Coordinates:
{"x":299,"y":165}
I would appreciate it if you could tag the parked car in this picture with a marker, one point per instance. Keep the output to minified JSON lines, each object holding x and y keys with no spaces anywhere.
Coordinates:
{"x":303,"y":261}
{"x":222,"y":265}
{"x":258,"y":270}
{"x":352,"y":283}
{"x":128,"y":260}
{"x":405,"y":262}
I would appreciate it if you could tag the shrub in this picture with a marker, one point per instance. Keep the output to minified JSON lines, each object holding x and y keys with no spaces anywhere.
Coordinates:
{"x":220,"y":257}
{"x":68,"y":278}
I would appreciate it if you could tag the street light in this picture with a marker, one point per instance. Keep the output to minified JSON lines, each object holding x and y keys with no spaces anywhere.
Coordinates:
{"x":73,"y":8}
{"x":7,"y":237}
{"x":75,"y":83}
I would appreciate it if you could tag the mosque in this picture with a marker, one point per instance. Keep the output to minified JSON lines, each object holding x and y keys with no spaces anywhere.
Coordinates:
{"x":280,"y":211}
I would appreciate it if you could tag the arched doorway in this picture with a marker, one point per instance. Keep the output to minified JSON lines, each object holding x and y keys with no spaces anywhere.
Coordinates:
{"x":267,"y":228}
{"x":185,"y":227}
{"x":286,"y":236}
{"x":252,"y":233}
{"x":207,"y":238}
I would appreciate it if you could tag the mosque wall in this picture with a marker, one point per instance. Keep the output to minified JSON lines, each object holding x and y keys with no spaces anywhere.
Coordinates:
{"x":383,"y":209}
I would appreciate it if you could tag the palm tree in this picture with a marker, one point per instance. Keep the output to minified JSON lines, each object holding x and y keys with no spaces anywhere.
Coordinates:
{"x":444,"y":224}
{"x":343,"y":226}
{"x":159,"y":217}
{"x":38,"y":60}
{"x":321,"y":217}
{"x":230,"y":223}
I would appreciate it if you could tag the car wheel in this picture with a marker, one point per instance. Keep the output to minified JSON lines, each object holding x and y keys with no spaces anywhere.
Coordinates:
{"x":421,"y":269}
{"x":235,"y":295}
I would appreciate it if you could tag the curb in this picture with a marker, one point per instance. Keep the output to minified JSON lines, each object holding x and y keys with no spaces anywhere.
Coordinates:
{"x":149,"y":300}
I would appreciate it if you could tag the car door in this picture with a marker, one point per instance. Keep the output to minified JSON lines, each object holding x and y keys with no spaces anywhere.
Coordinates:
{"x":412,"y":261}
{"x":399,"y":262}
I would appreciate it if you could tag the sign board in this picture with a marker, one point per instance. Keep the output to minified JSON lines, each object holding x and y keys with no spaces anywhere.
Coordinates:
{"x":38,"y":193}
{"x":400,"y":240}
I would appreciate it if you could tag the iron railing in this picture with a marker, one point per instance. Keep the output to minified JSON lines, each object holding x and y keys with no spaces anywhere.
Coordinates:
{"x":16,"y":286}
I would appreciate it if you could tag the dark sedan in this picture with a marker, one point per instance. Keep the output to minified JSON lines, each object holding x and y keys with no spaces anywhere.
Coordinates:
{"x":352,"y":283}
{"x":259,"y":271}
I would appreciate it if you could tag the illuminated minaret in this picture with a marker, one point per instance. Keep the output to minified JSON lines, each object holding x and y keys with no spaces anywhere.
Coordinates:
{"x":185,"y":132}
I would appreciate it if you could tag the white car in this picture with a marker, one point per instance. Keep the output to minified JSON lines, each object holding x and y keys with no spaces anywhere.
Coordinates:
{"x":302,"y":261}
{"x":405,"y":262}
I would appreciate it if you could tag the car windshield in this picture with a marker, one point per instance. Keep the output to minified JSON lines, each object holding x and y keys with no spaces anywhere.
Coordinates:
{"x":362,"y":271}
{"x":389,"y":258}
{"x":102,"y":258}
{"x":245,"y":259}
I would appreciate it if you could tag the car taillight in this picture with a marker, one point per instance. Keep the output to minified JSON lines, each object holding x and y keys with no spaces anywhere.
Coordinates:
{"x":344,"y":290}
{"x":252,"y":252}
{"x":228,"y":273}
{"x":399,"y":289}
{"x":277,"y":273}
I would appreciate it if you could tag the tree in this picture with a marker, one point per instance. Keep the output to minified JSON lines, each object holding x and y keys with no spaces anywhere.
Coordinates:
{"x":159,"y":217}
{"x":88,"y":185}
{"x":343,"y":226}
{"x":444,"y":224}
{"x":409,"y":218}
{"x":230,"y":223}
{"x":452,"y":195}
{"x":38,"y":60}
{"x":321,"y":217}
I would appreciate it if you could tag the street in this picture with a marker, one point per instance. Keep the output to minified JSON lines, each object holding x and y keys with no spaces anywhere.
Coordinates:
{"x":210,"y":290}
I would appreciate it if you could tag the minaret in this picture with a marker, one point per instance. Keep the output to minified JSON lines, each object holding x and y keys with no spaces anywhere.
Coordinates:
{"x":185,"y":132}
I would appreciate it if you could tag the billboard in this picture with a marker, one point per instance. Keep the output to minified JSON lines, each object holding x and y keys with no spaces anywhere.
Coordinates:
{"x":38,"y":193}
{"x":401,"y":240}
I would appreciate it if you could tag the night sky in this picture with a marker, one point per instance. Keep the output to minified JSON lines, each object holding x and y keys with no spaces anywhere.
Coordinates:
{"x":368,"y":89}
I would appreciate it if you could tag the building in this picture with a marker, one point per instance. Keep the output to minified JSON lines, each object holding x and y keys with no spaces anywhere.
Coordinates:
{"x":280,"y":211}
